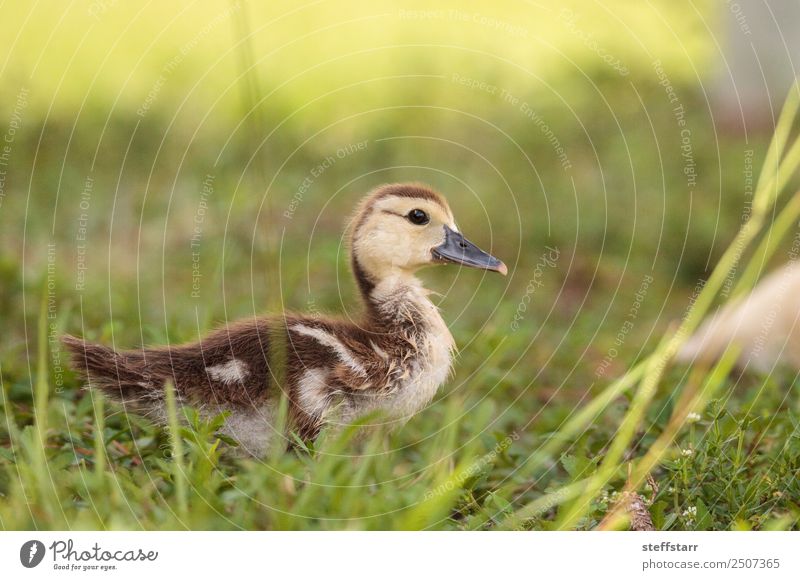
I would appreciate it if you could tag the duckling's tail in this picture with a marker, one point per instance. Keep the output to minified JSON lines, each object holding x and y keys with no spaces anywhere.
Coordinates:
{"x":115,"y":374}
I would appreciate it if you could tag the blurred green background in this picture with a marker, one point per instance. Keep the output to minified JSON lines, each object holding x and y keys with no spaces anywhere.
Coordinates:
{"x":175,"y":165}
{"x":543,"y":125}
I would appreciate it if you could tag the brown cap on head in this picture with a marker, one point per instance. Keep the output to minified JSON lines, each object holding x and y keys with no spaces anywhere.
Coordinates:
{"x":405,"y":190}
{"x":409,"y":190}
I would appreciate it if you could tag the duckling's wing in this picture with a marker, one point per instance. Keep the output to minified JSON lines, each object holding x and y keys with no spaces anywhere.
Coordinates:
{"x":346,"y":352}
{"x":227,"y":367}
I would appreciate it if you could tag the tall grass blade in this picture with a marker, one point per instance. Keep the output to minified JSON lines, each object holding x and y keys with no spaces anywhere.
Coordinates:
{"x":277,"y":351}
{"x":625,"y":433}
{"x":41,"y":396}
{"x":583,"y":418}
{"x":696,"y":403}
{"x":778,"y":143}
{"x":769,"y":243}
{"x":99,"y":429}
{"x":178,"y":470}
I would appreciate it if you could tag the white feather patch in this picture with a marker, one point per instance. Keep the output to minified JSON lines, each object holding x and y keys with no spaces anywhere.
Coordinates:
{"x":313,"y":392}
{"x":333,"y":343}
{"x":233,"y":371}
{"x":379,"y":351}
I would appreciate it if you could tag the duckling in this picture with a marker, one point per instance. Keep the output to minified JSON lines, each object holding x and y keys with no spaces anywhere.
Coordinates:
{"x":393,"y":359}
{"x":765,"y":325}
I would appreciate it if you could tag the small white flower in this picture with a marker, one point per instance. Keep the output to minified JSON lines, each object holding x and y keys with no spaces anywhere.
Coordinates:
{"x":687,"y":452}
{"x":670,"y":489}
{"x":690,"y":513}
{"x":693,"y":417}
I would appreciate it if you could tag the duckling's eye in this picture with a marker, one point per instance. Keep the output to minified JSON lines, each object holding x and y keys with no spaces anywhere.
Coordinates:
{"x":418,"y":217}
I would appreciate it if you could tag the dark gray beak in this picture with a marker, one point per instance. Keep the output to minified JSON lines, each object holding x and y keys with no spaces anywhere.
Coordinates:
{"x":459,"y":250}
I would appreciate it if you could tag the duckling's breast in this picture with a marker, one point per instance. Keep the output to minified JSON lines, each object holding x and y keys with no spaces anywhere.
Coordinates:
{"x":423,"y":368}
{"x":422,"y":379}
{"x":395,"y":364}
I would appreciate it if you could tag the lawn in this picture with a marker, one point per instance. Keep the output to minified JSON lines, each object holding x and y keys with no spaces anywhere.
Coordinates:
{"x":175,"y":168}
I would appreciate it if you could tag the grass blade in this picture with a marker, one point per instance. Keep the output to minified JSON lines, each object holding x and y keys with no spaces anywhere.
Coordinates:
{"x":178,"y":474}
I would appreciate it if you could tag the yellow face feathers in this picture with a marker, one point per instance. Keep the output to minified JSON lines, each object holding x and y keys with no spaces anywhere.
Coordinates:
{"x":402,"y":227}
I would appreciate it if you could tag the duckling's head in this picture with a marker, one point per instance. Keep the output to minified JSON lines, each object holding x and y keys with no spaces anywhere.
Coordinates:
{"x":402,"y":227}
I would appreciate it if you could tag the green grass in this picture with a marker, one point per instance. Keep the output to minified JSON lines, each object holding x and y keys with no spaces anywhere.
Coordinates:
{"x":448,"y":469}
{"x":552,"y":410}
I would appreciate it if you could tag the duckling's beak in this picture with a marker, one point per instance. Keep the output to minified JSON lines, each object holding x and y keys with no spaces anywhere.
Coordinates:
{"x":459,"y":250}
